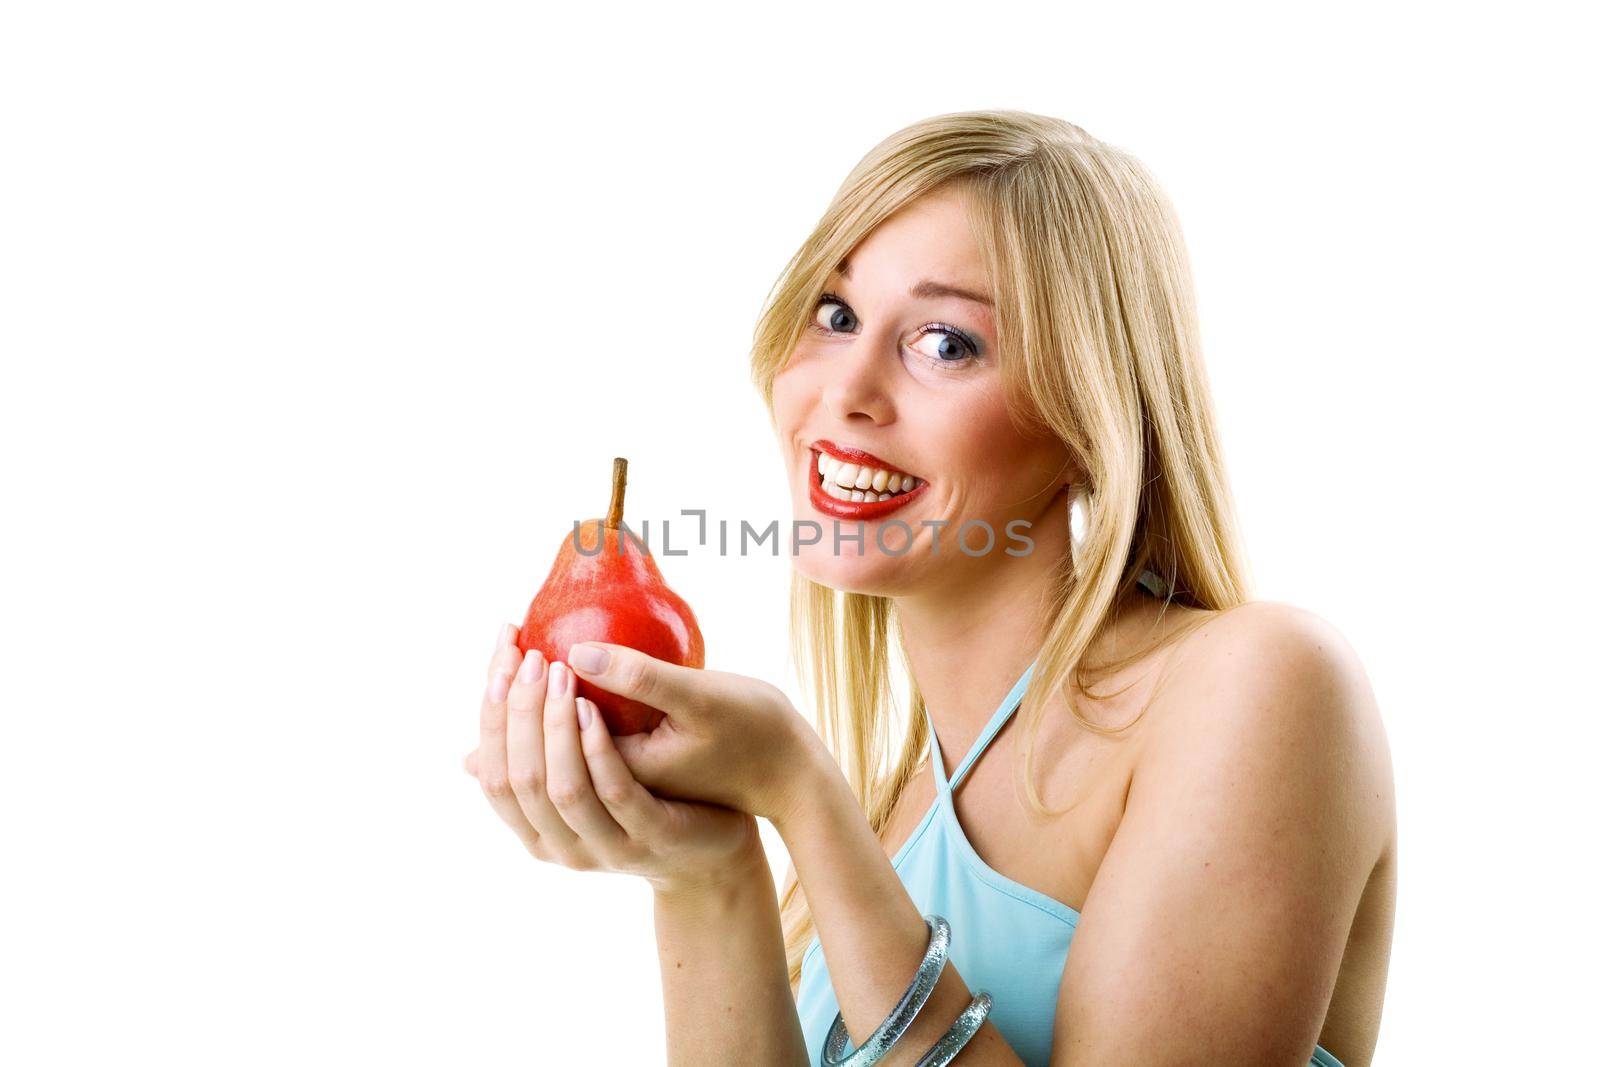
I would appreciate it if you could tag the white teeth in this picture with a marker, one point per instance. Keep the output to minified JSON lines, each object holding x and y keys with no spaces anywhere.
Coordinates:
{"x":852,"y":481}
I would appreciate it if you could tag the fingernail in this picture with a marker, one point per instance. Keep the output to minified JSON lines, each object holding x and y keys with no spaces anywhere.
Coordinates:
{"x":499,"y":686}
{"x":532,"y":667}
{"x":585,"y":712}
{"x":507,"y":632}
{"x":591,"y":659}
{"x":560,"y":679}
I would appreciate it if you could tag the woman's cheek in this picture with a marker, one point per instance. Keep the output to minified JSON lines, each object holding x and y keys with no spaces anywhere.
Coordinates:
{"x":785,"y":408}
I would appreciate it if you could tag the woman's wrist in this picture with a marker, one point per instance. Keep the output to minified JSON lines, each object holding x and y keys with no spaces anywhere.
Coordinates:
{"x":820,"y":795}
{"x":812,"y":775}
{"x":747,"y":868}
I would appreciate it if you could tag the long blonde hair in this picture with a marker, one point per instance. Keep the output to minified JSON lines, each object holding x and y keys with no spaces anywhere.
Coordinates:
{"x":1098,"y":345}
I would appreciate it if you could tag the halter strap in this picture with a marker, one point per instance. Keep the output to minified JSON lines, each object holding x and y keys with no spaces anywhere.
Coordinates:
{"x":1008,"y":706}
{"x":1154,"y":584}
{"x":1151,"y":582}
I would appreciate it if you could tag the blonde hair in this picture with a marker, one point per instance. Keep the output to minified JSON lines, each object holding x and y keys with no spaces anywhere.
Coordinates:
{"x":1098,"y":345}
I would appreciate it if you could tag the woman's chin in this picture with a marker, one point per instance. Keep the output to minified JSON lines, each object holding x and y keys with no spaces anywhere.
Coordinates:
{"x":872,"y":573}
{"x":848,"y":556}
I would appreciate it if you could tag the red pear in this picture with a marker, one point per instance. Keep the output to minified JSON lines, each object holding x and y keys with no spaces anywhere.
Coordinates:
{"x":605,"y":586}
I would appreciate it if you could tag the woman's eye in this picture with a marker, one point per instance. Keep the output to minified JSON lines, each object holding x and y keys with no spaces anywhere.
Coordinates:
{"x":941,"y":347}
{"x":940,"y":344}
{"x":835,"y":317}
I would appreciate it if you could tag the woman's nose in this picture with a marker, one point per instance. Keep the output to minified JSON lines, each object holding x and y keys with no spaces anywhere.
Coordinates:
{"x":860,"y":379}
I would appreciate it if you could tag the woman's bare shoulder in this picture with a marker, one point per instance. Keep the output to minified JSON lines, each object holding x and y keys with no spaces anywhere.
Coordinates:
{"x":1274,"y":644}
{"x":1287,"y":675}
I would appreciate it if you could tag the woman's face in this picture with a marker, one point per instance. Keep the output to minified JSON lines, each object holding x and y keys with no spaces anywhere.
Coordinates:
{"x":895,"y":391}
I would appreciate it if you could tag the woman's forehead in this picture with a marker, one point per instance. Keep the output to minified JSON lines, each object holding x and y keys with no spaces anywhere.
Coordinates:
{"x":936,"y":231}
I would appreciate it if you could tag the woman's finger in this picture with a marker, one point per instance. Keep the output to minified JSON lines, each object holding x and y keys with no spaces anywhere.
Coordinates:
{"x":566,"y":773}
{"x":647,"y":757}
{"x":525,"y":762}
{"x":492,"y":775}
{"x":505,"y":642}
{"x":678,"y":691}
{"x":641,"y":815}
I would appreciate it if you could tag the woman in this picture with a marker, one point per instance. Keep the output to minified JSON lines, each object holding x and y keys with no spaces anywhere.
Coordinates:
{"x":992,"y":326}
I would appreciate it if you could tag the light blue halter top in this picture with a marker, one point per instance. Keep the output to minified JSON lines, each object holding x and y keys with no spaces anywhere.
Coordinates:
{"x":1005,"y":938}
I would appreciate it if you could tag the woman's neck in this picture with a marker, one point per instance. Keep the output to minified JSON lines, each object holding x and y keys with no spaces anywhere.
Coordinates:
{"x":968,"y":642}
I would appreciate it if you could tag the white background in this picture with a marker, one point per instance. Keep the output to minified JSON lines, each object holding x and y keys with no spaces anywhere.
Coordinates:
{"x":321,"y":321}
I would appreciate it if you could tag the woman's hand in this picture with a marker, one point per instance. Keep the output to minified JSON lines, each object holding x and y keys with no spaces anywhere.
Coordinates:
{"x":552,"y":773}
{"x":726,"y":738}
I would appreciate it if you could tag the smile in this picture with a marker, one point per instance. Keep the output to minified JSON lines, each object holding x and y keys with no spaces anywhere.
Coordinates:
{"x":847,"y":483}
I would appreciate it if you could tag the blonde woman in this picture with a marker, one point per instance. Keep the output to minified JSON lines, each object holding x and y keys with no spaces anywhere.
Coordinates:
{"x":1108,"y":748}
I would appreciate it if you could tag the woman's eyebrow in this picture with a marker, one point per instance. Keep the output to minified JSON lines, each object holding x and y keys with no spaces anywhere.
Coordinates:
{"x":932,"y":289}
{"x":928,"y":289}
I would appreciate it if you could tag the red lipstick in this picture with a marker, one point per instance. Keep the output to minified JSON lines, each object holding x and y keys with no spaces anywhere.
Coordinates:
{"x":857,"y":510}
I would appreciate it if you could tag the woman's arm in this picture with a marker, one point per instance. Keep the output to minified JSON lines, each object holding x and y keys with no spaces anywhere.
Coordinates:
{"x":738,"y":742}
{"x":1217,"y":921}
{"x":724,"y":979}
{"x":552,"y":772}
{"x":871,"y":931}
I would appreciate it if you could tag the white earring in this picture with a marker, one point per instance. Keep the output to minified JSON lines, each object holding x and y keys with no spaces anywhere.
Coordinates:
{"x":1077,"y":516}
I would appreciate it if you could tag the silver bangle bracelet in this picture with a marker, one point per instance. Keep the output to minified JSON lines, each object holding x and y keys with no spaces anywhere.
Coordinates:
{"x":955,"y":1039}
{"x":891,"y":1029}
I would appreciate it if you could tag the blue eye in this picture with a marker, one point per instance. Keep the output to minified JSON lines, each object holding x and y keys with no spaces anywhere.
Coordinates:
{"x":954,"y":348}
{"x":833,"y":316}
{"x":951,"y":347}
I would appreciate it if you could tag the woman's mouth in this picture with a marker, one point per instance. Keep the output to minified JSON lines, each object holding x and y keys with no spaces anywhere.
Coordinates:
{"x":847,"y":483}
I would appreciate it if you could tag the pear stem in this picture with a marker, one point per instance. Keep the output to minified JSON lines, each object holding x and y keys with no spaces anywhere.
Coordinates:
{"x":619,"y":488}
